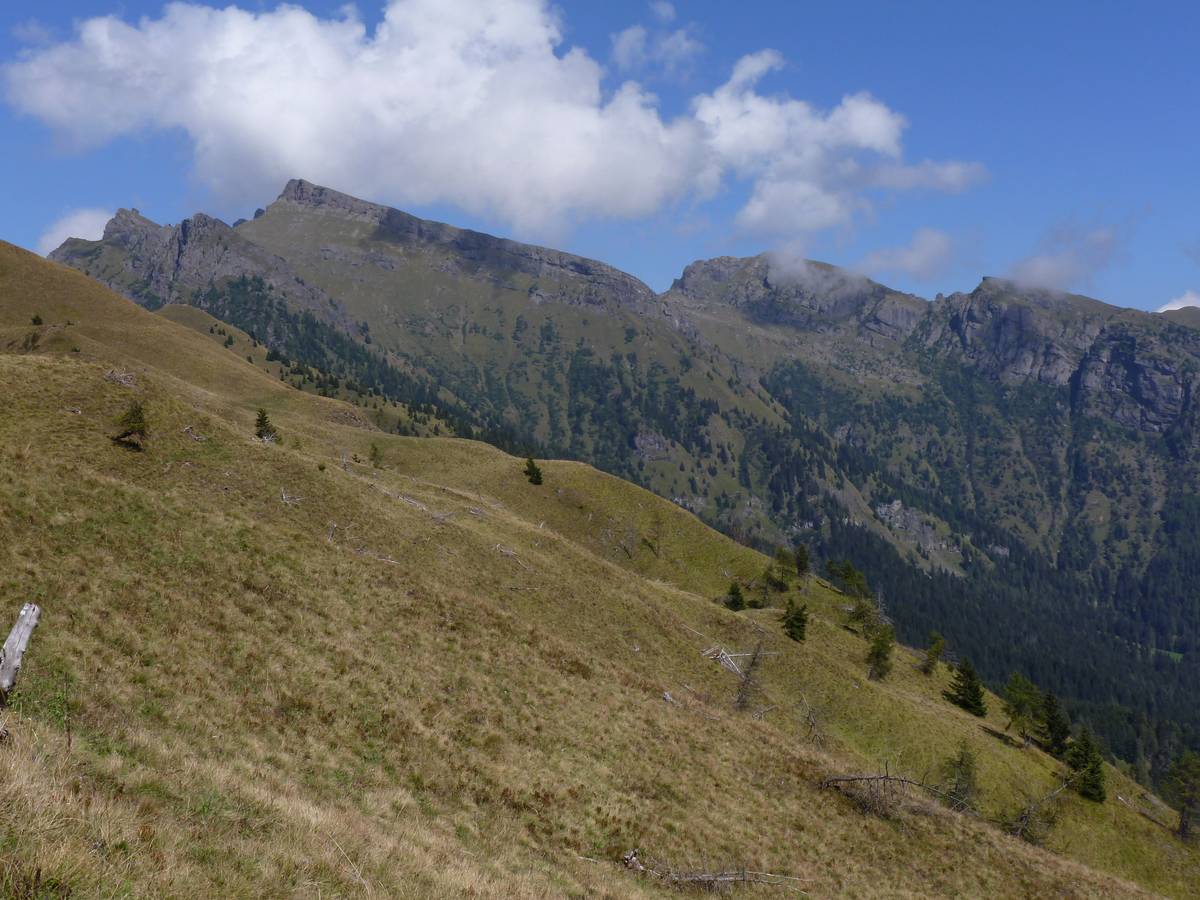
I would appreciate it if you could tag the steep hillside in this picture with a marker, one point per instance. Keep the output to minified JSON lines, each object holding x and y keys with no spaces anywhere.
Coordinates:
{"x":280,"y":670}
{"x":1006,"y":464}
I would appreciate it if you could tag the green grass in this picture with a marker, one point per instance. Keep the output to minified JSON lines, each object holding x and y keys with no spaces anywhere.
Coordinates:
{"x":430,"y":678}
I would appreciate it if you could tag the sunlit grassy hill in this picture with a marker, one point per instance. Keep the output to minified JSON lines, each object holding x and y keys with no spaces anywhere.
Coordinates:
{"x":281,"y":670}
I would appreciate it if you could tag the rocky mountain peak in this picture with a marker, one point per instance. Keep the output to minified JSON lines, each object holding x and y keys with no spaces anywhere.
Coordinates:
{"x":306,"y":195}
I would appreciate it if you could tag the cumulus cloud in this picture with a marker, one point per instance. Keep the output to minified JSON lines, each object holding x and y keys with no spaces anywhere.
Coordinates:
{"x":80,"y":223}
{"x":1069,"y":256}
{"x":1187,"y":298}
{"x":480,"y":105}
{"x":663,"y":11}
{"x":925,"y":257}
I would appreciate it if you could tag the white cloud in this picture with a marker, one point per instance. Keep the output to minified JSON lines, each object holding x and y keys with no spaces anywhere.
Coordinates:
{"x":953,"y":176}
{"x":663,"y":11}
{"x":1187,"y":298}
{"x":629,"y":48}
{"x":925,"y":257}
{"x":480,"y":105}
{"x":673,"y":52}
{"x":1069,"y":256}
{"x":80,"y":223}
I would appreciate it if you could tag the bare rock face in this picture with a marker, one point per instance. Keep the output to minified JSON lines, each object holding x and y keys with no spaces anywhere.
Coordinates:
{"x":802,"y":295}
{"x":1134,"y":369}
{"x":1016,"y":335}
{"x":159,"y":264}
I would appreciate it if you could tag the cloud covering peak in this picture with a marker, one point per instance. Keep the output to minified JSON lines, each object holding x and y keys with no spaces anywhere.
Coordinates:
{"x":480,"y":105}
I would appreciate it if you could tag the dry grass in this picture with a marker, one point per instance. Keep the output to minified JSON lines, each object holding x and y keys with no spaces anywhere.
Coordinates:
{"x":262,"y":705}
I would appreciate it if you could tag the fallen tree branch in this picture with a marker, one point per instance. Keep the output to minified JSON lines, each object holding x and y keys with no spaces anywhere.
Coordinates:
{"x":1029,"y":820}
{"x":1142,"y":812}
{"x":511,"y":554}
{"x":899,"y":781}
{"x":194,"y":435}
{"x":711,"y":880}
{"x":14,"y":648}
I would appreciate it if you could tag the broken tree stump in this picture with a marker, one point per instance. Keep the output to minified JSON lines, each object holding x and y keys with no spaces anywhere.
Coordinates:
{"x":14,"y":648}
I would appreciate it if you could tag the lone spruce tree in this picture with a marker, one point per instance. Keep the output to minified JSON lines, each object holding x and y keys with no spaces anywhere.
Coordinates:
{"x":735,"y":600}
{"x":802,"y":561}
{"x":1084,"y":759}
{"x":933,"y":653}
{"x":879,"y":656}
{"x":1054,"y":728}
{"x":966,"y":690}
{"x":1022,"y":700}
{"x":532,"y":471}
{"x":1183,"y":787}
{"x":795,"y":620}
{"x":134,"y":429}
{"x":263,"y":429}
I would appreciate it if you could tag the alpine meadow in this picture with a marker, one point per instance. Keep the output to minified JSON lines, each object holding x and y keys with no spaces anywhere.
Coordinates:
{"x":349,"y":553}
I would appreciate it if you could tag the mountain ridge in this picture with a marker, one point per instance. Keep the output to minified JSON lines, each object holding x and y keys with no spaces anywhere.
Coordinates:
{"x":1033,"y":438}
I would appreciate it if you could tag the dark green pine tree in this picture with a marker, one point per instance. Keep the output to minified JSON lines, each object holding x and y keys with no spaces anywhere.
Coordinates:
{"x":263,"y":429}
{"x":879,"y":656}
{"x":795,"y":620}
{"x":802,"y":561}
{"x":933,"y":653}
{"x":966,"y":690}
{"x":1054,"y":728}
{"x":1183,"y":787}
{"x":134,"y":429}
{"x":1022,"y":700}
{"x":735,"y":600}
{"x":533,"y":472}
{"x":1084,"y":759}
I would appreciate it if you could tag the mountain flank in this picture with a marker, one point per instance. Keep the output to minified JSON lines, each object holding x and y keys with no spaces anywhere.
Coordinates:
{"x":348,"y":661}
{"x":1004,"y":464}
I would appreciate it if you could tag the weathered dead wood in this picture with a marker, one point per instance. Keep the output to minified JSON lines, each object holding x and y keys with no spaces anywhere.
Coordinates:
{"x":724,"y":657}
{"x":14,"y":647}
{"x":812,"y":717}
{"x":1142,"y":812}
{"x":889,"y":780}
{"x":748,"y":689}
{"x":705,"y":880}
{"x":1030,"y":822}
{"x":194,"y":434}
{"x":288,"y":499}
{"x":511,"y":554}
{"x":116,"y":376}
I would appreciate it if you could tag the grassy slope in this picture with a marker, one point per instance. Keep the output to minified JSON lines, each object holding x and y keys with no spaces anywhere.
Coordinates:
{"x":260,"y":704}
{"x":445,"y":321}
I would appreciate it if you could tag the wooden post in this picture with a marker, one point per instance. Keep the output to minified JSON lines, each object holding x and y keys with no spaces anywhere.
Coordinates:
{"x":14,"y":648}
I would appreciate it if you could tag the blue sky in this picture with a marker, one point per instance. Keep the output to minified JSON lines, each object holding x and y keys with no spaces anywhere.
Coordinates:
{"x":1054,"y":142}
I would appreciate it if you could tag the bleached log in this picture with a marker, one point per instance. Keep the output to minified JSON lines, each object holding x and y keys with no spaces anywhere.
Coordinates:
{"x":14,"y":647}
